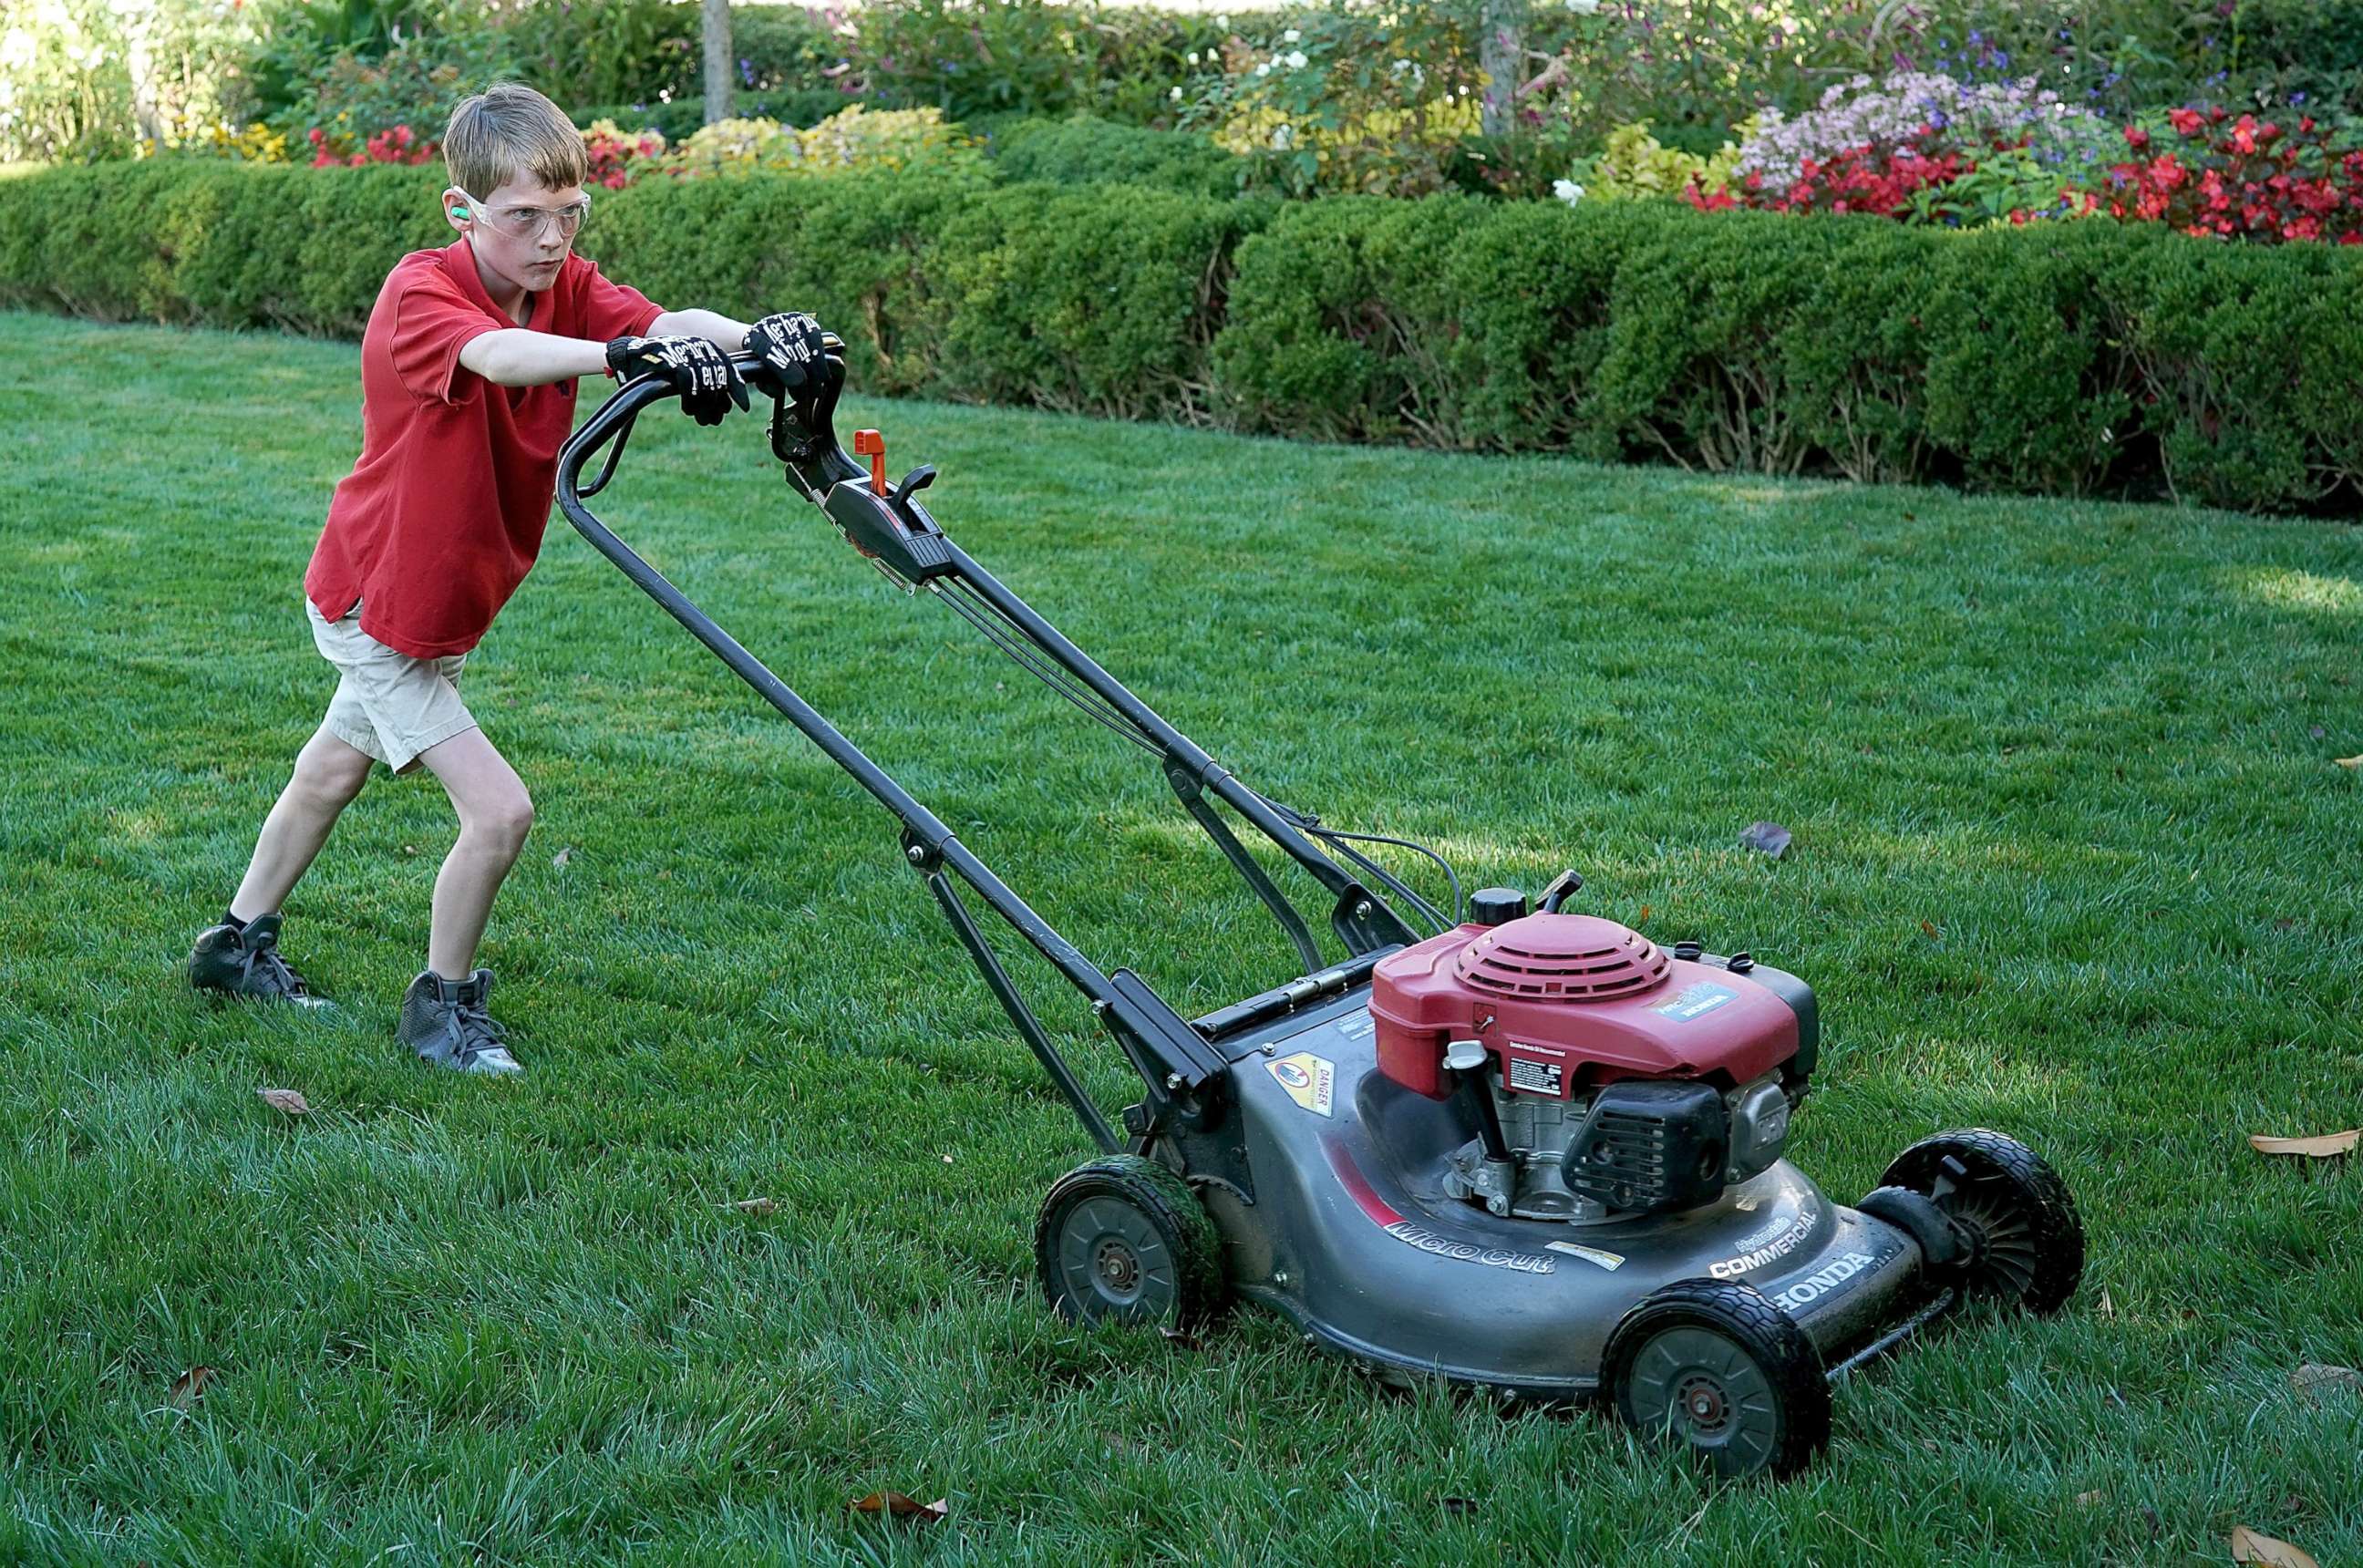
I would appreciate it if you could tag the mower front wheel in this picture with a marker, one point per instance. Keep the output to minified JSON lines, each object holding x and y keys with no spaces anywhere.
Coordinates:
{"x":2027,"y":1240}
{"x":1716,"y":1366}
{"x":1124,"y":1240}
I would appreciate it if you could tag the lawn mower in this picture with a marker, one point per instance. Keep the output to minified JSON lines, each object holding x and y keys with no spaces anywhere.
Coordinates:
{"x":1522,"y":1149}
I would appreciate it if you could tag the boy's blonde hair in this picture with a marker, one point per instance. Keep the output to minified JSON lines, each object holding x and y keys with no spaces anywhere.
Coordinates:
{"x":507,"y":131}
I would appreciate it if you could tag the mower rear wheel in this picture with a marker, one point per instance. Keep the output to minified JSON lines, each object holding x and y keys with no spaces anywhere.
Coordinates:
{"x":1715,"y":1366}
{"x":2028,"y":1239}
{"x":1124,"y":1240}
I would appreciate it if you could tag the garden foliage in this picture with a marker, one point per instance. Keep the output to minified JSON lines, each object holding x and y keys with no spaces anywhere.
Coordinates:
{"x":2074,"y":359}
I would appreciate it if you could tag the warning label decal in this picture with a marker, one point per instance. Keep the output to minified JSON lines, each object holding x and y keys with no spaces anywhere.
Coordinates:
{"x":1311,"y":1081}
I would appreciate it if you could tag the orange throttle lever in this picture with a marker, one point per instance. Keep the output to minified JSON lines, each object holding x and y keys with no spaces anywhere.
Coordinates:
{"x":873,"y":445}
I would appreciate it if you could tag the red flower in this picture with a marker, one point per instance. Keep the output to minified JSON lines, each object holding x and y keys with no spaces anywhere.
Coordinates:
{"x":2136,"y":137}
{"x":2185,"y":121}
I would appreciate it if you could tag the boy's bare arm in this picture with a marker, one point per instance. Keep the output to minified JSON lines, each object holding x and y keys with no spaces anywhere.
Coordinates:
{"x":517,"y":357}
{"x":725,"y":334}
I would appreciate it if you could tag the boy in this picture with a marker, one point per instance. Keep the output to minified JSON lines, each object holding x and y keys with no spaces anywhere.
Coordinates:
{"x":468,"y":373}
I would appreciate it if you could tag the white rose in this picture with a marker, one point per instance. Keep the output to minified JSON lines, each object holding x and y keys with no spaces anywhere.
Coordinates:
{"x":1263,"y":68}
{"x":1567,"y":191}
{"x":1283,"y":138}
{"x":1175,"y":94}
{"x":1296,"y":59}
{"x":1583,"y":7}
{"x":1291,"y":36}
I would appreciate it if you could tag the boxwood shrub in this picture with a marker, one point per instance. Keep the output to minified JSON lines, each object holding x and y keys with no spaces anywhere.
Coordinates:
{"x":2076,"y":357}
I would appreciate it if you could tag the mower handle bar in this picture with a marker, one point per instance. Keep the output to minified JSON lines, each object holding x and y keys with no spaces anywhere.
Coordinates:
{"x":1173,"y":1057}
{"x":613,"y":421}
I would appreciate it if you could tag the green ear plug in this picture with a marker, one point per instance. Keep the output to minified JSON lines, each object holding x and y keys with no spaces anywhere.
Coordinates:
{"x":459,"y":212}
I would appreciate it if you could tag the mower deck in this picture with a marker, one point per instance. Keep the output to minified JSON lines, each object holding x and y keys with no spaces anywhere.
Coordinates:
{"x":1352,"y":1236}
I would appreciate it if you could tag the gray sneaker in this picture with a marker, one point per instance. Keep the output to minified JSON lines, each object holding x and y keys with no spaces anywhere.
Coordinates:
{"x":234,"y":962}
{"x":445,"y":1022}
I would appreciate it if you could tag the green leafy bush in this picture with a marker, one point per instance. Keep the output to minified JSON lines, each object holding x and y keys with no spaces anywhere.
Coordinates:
{"x":67,"y":71}
{"x":416,"y":83}
{"x":1098,"y":299}
{"x":1037,"y":57}
{"x":681,"y":118}
{"x":1089,"y":150}
{"x":2086,"y":357}
{"x":2083,"y":358}
{"x":854,"y":137}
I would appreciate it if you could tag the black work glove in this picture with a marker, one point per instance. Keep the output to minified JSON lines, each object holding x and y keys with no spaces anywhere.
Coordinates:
{"x":790,"y":343}
{"x":708,"y":383}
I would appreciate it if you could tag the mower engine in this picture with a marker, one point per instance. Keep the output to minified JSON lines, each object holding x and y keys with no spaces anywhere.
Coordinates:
{"x":1609,"y":1078}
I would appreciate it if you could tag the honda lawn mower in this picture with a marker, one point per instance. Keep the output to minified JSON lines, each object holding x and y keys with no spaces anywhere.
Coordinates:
{"x":1533,"y":1153}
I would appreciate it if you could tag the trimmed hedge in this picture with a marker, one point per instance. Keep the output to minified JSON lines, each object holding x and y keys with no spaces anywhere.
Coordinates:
{"x":1086,"y":150}
{"x":2079,"y":358}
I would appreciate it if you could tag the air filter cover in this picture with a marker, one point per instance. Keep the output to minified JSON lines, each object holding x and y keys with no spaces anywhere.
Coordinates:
{"x":1561,"y":958}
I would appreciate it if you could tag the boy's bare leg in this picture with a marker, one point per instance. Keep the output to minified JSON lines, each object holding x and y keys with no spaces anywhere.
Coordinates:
{"x":495,"y":813}
{"x":328,"y":774}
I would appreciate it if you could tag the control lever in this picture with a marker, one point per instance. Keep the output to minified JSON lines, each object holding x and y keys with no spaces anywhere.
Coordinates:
{"x":918,"y":479}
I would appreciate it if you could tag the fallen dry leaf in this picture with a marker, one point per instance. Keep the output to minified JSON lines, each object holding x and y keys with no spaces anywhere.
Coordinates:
{"x":2107,"y":1309}
{"x":2091,"y":1499}
{"x":2247,"y":1546}
{"x":1932,"y":933}
{"x":1175,"y":1337}
{"x":756,"y":1204}
{"x":2316,"y":1379}
{"x":895,"y":1505}
{"x":1644,"y":916}
{"x":2321,"y":1148}
{"x":1766,"y":838}
{"x":286,"y":1100}
{"x":562,"y":856}
{"x":2354,"y":761}
{"x":190,"y":1386}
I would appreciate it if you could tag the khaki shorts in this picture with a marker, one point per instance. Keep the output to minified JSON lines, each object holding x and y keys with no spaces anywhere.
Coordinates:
{"x":388,"y":705}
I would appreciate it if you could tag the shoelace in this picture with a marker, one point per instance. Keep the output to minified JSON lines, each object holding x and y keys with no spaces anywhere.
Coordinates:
{"x":276,"y":971}
{"x":476,"y":1029}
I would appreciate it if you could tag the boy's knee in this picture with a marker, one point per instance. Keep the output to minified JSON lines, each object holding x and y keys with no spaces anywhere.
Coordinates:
{"x":331,"y":782}
{"x":506,"y":821}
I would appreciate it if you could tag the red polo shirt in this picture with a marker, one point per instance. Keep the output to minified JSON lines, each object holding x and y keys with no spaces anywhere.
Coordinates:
{"x":442,"y":517}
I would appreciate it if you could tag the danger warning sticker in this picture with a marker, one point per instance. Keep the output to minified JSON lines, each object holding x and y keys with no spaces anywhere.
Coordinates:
{"x":1311,"y":1081}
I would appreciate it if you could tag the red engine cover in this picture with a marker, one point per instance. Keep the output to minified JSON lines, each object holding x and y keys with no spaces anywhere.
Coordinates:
{"x":1569,"y":1002}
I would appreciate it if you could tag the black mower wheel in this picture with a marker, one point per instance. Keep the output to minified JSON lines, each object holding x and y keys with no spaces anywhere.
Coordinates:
{"x":1123,"y":1240}
{"x":2028,"y":1240}
{"x":1715,"y":1366}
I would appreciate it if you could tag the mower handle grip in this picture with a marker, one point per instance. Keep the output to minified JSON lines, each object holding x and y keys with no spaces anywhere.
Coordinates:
{"x":814,"y":457}
{"x":613,"y":420}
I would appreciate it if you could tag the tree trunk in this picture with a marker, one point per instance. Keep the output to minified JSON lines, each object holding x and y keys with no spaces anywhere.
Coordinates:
{"x":1502,"y":51}
{"x":718,"y":64}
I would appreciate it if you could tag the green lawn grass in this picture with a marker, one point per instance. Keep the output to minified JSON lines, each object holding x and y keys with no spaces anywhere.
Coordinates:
{"x":2072,"y":859}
